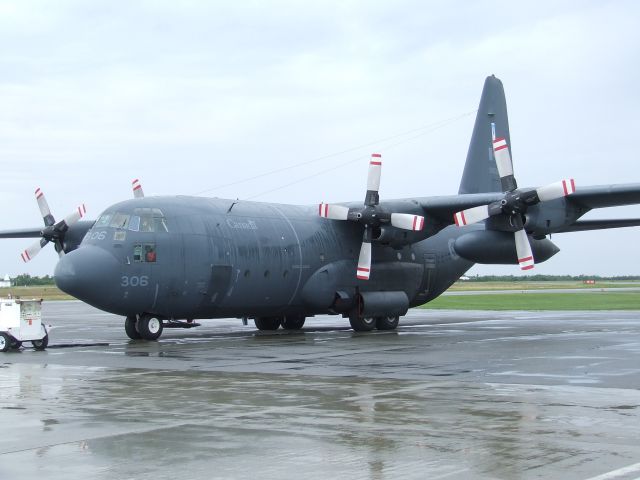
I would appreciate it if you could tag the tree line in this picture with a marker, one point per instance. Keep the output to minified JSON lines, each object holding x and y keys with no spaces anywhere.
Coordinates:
{"x":26,"y":280}
{"x":549,"y":278}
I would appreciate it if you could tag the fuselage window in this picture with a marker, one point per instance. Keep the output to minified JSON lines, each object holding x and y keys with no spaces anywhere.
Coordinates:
{"x":144,"y":253}
{"x":149,"y":252}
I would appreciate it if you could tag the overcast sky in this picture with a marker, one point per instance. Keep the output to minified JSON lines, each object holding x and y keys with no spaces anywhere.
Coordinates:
{"x":192,"y":96}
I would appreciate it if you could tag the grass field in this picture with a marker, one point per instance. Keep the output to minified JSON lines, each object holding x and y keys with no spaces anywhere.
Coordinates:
{"x":46,"y":293}
{"x":595,"y":300}
{"x":540,"y":301}
{"x":479,"y":286}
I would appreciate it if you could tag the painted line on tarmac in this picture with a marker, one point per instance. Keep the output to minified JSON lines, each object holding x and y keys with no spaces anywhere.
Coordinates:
{"x":617,"y":473}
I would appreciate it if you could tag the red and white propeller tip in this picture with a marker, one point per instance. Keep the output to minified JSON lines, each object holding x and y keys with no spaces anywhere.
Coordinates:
{"x":471,"y":215}
{"x":556,"y":190}
{"x":523,"y":250}
{"x":407,"y":221}
{"x":503,"y":157}
{"x":375,"y":170}
{"x":364,"y":262}
{"x":334,"y":212}
{"x":137,"y":189}
{"x":42,"y":203}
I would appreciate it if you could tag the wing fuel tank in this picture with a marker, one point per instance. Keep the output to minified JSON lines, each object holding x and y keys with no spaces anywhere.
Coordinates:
{"x":496,"y":247}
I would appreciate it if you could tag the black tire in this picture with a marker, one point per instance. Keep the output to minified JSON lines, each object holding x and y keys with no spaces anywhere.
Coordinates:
{"x":150,"y":327}
{"x":131,"y":329}
{"x":41,"y":344}
{"x":15,"y":344}
{"x":267,"y":323}
{"x":361,"y":324}
{"x":387,"y":323}
{"x":293,"y":322}
{"x":5,"y":342}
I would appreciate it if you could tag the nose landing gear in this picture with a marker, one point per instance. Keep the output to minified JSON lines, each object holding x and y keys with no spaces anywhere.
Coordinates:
{"x":149,"y":326}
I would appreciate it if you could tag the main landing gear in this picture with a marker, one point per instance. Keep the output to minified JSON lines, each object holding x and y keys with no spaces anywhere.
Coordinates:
{"x":366,"y":324}
{"x":290,"y":322}
{"x":149,"y":327}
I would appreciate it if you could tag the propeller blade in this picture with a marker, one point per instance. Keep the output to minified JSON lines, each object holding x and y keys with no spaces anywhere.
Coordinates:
{"x":523,"y":250}
{"x":556,"y":190}
{"x":471,"y":215}
{"x":504,"y":164}
{"x":137,"y":189}
{"x":373,"y":180}
{"x":33,"y":250}
{"x":407,"y":221}
{"x":44,"y":208}
{"x":334,"y":212}
{"x":75,"y":216}
{"x":364,"y":261}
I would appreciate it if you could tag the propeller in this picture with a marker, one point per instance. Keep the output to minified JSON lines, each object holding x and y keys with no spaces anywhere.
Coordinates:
{"x":52,"y":232}
{"x":371,"y":215}
{"x":515,"y":202}
{"x":137,"y":189}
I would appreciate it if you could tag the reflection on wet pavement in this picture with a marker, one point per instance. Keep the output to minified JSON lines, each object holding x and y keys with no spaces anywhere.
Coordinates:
{"x":449,"y":395}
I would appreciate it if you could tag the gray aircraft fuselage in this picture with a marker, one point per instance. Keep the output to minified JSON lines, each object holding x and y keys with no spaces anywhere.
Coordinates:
{"x":215,"y":258}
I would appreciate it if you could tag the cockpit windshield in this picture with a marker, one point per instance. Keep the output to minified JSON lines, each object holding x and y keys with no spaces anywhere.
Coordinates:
{"x":142,"y":220}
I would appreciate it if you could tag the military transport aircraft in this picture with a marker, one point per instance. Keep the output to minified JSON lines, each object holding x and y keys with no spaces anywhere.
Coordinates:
{"x":165,"y":261}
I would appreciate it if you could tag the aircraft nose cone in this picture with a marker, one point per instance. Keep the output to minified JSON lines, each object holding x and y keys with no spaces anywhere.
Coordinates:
{"x":85,"y":273}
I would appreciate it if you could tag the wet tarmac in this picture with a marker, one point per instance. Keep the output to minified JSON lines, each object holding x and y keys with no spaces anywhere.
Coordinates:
{"x":449,"y":395}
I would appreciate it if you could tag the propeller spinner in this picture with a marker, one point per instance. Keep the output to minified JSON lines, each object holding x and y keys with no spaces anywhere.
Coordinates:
{"x":515,"y":202}
{"x":52,"y":232}
{"x":370,"y":216}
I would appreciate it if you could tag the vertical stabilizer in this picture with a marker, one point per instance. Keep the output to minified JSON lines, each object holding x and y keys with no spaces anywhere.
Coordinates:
{"x":480,"y":171}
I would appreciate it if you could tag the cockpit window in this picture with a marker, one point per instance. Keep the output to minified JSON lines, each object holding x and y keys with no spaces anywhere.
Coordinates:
{"x":150,"y":220}
{"x":119,"y":220}
{"x":104,"y":220}
{"x":143,"y":220}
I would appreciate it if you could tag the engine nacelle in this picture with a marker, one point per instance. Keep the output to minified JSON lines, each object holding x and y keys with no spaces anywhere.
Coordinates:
{"x":383,"y":304}
{"x":496,"y":247}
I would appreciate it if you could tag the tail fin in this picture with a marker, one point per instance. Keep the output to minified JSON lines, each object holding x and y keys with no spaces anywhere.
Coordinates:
{"x":480,"y":171}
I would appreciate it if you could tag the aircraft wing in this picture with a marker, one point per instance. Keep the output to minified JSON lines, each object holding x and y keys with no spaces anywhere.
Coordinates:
{"x":21,"y":233}
{"x":600,"y":196}
{"x":585,"y":225}
{"x":586,"y":198}
{"x":444,"y":208}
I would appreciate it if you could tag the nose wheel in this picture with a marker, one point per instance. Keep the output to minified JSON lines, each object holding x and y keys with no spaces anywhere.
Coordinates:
{"x":131,"y":328}
{"x":147,"y":327}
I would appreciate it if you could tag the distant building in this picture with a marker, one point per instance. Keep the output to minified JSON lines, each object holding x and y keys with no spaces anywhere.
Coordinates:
{"x":6,"y":282}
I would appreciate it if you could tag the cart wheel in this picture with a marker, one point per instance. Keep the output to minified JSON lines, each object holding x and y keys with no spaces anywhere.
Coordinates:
{"x":5,"y":342}
{"x":41,"y":344}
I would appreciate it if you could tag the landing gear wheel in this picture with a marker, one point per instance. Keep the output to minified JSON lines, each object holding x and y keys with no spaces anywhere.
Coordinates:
{"x":267,"y":323}
{"x":5,"y":342}
{"x":387,"y":323}
{"x":361,"y":324}
{"x":130,"y":327}
{"x":41,"y":344}
{"x":150,"y":327}
{"x":293,"y":322}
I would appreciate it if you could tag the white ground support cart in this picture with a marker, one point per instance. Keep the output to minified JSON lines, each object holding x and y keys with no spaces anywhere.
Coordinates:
{"x":21,"y":321}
